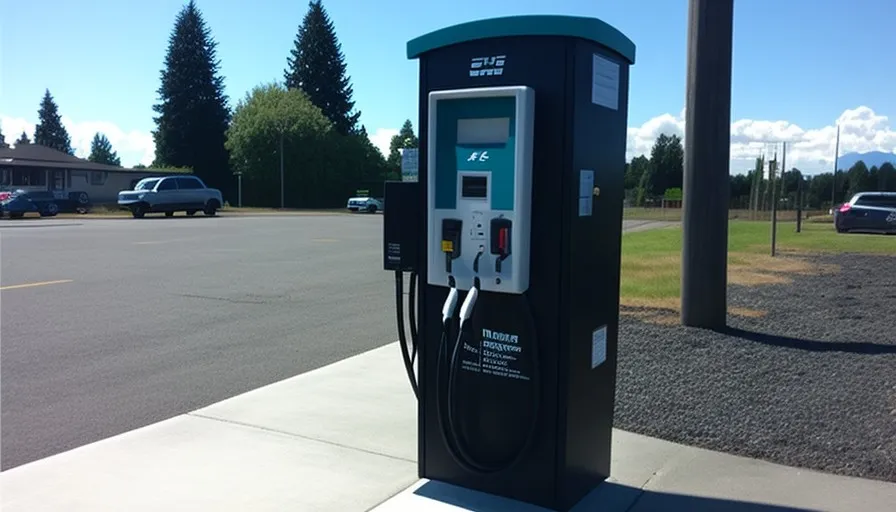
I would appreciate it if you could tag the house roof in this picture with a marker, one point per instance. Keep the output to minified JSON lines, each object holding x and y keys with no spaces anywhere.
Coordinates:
{"x":35,"y":155}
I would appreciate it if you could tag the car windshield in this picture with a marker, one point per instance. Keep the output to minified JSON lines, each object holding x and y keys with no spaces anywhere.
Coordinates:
{"x":146,"y":185}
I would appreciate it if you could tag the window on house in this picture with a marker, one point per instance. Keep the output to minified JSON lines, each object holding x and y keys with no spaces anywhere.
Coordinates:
{"x":27,"y":177}
{"x":97,"y":177}
{"x":58,"y":180}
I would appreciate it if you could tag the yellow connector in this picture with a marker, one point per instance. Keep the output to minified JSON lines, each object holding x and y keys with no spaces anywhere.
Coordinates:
{"x":447,"y":246}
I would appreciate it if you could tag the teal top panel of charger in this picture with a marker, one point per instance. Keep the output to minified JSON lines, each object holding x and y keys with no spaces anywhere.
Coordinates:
{"x":591,"y":29}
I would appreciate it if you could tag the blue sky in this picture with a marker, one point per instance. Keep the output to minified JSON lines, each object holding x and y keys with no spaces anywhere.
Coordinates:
{"x":799,"y":65}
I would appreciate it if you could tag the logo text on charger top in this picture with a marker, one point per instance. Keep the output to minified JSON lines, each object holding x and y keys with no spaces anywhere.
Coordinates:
{"x":487,"y":66}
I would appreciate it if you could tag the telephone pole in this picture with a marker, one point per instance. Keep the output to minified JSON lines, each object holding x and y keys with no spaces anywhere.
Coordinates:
{"x":704,"y":255}
{"x":836,"y":162}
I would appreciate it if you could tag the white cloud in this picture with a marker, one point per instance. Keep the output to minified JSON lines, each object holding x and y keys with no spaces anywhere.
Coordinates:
{"x":811,"y":150}
{"x":133,"y":146}
{"x":381,"y":138}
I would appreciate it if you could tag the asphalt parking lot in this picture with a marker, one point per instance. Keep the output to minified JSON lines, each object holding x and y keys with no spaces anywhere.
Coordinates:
{"x":112,"y":324}
{"x":109,"y":325}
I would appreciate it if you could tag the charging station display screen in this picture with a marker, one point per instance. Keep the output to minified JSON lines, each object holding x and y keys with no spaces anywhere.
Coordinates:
{"x":489,"y":130}
{"x":474,"y":187}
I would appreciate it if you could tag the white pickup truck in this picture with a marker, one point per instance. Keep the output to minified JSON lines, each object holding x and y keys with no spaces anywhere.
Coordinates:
{"x":170,"y":194}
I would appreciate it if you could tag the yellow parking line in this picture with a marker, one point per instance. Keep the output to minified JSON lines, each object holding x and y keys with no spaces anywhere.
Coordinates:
{"x":32,"y":285}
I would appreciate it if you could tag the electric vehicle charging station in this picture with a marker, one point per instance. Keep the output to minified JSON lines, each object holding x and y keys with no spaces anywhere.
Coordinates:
{"x":515,"y":227}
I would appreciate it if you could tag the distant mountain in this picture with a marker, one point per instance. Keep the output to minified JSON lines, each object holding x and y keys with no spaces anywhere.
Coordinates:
{"x":871,"y":158}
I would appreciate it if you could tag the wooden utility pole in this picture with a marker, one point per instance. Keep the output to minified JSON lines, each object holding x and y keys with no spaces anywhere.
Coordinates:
{"x":836,"y":162}
{"x":704,"y":255}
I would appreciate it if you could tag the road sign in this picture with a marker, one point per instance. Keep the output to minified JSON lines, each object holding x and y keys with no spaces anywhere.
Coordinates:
{"x":409,"y":164}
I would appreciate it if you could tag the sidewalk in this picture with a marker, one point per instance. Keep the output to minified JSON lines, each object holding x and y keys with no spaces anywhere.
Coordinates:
{"x":343,"y":438}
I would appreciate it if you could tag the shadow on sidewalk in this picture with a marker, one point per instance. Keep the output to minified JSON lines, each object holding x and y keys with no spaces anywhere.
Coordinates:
{"x":811,"y":345}
{"x":609,"y":496}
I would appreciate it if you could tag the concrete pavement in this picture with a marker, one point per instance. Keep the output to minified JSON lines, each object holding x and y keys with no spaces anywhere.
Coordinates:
{"x":342,"y":438}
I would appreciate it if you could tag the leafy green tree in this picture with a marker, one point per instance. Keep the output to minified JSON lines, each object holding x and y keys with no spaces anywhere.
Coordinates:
{"x":639,"y":166}
{"x":317,"y":66}
{"x":23,"y":139}
{"x":101,"y":151}
{"x":3,"y":143}
{"x":375,"y":166}
{"x":740,"y":185}
{"x":49,"y":131}
{"x":666,"y":165}
{"x":886,"y":177}
{"x":139,"y":166}
{"x":858,"y":179}
{"x":193,"y":113}
{"x":321,"y":166}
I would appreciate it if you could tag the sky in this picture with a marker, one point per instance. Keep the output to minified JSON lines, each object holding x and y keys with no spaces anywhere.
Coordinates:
{"x":801,"y":67}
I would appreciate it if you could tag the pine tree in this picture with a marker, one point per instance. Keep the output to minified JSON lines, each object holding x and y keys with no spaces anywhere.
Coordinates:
{"x":49,"y":131}
{"x":405,"y":139}
{"x":101,"y":151}
{"x":317,"y":66}
{"x":3,"y":143}
{"x":193,"y":112}
{"x":23,"y":139}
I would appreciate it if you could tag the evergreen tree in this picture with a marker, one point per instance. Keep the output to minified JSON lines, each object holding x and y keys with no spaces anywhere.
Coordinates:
{"x":23,"y":139}
{"x":3,"y":143}
{"x":193,"y":112}
{"x":405,"y":139}
{"x":49,"y":131}
{"x":101,"y":151}
{"x":317,"y":66}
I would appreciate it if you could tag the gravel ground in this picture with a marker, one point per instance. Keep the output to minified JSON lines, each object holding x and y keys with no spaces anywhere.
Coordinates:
{"x":812,"y":384}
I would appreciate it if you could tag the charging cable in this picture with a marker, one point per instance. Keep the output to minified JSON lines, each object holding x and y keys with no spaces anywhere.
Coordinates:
{"x":402,"y":338}
{"x":450,"y":430}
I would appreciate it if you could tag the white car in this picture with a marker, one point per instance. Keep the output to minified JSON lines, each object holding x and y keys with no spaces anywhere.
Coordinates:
{"x":170,"y":194}
{"x":364,"y":204}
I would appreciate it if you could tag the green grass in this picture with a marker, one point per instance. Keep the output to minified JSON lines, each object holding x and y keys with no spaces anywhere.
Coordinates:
{"x":755,"y":237}
{"x":674,"y":214}
{"x":651,"y":260}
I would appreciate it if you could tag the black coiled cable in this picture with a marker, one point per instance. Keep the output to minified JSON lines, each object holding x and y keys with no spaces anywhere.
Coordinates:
{"x":450,"y":430}
{"x":402,"y":339}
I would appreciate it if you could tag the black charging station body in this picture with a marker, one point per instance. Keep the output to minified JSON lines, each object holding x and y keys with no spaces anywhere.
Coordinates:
{"x":578,"y":162}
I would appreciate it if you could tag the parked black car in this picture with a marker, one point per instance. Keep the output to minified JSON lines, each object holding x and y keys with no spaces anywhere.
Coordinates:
{"x":873,"y":212}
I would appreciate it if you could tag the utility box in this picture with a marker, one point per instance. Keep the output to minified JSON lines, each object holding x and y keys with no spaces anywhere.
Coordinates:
{"x":521,"y":161}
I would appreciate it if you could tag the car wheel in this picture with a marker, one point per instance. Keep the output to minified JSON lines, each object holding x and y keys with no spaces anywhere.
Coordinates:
{"x":371,"y":208}
{"x":211,"y":208}
{"x":169,"y":214}
{"x":81,"y":210}
{"x":190,"y":213}
{"x":138,"y":211}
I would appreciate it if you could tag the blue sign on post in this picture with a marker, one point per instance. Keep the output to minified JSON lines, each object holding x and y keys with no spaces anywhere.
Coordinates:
{"x":409,"y":164}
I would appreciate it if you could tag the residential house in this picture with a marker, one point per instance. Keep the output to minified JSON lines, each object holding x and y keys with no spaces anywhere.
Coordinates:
{"x":36,"y":167}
